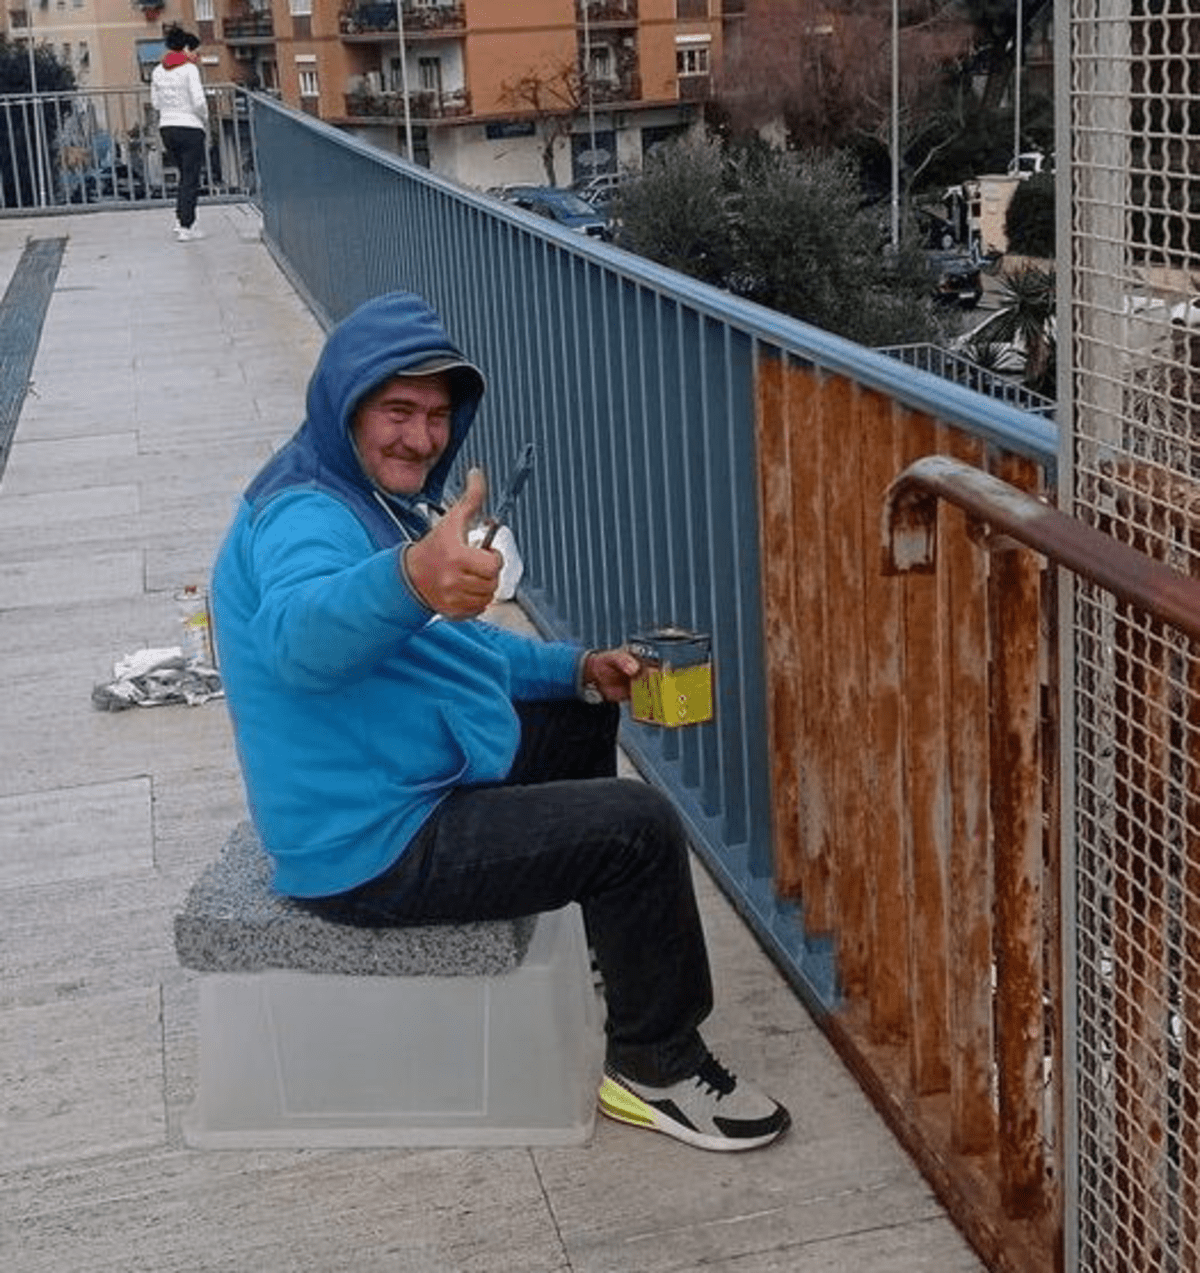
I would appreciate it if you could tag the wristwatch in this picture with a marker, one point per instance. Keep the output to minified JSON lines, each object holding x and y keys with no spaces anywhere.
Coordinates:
{"x":589,"y":691}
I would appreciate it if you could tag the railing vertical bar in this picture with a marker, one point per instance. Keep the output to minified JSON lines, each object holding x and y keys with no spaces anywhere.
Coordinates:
{"x":737,"y":541}
{"x":804,"y":407}
{"x":781,"y":575}
{"x":845,"y":505}
{"x":883,"y":745}
{"x":925,"y":619}
{"x":1016,"y":803}
{"x":972,"y":1114}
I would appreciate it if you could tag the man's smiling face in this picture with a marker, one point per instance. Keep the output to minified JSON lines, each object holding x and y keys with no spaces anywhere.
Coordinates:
{"x":402,"y":429}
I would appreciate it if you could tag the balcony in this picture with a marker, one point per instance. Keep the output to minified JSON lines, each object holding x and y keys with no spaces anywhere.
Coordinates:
{"x":248,"y":28}
{"x":606,"y":13}
{"x":423,"y":105}
{"x":373,"y":20}
{"x":626,"y":87}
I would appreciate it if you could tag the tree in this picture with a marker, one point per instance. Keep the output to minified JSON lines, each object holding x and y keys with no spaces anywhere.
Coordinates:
{"x":1029,"y":219}
{"x":555,"y":98}
{"x":1025,"y":320}
{"x":30,"y":121}
{"x":785,"y":229}
{"x":823,"y":68}
{"x":675,"y":213}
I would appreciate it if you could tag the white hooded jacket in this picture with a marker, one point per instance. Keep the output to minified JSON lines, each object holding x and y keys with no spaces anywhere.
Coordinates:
{"x":177,"y":93}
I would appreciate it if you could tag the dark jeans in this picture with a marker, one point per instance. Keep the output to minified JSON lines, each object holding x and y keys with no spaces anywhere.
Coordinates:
{"x":564,"y":828}
{"x":186,"y":148}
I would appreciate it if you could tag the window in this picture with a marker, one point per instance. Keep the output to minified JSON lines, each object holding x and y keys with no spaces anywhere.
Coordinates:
{"x":429,"y":74}
{"x":691,"y":9}
{"x":308,"y":84}
{"x":85,"y":56}
{"x":204,"y":10}
{"x":691,"y":59}
{"x":300,"y":8}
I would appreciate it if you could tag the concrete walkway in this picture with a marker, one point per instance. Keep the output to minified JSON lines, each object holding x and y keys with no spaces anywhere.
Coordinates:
{"x":165,"y":375}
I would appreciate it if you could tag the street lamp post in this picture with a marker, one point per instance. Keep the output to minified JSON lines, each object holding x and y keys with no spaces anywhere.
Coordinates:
{"x":408,"y":136}
{"x":895,"y":123}
{"x":39,"y":144}
{"x":1017,"y":90}
{"x":585,"y":5}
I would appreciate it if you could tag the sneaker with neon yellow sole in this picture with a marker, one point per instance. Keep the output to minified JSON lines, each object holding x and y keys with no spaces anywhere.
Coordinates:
{"x":710,"y":1109}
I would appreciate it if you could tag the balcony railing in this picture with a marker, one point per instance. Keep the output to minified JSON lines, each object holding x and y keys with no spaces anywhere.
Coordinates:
{"x":626,"y":87}
{"x":422,"y":104}
{"x":606,"y":12}
{"x":248,"y":26}
{"x":101,"y":146}
{"x":377,"y":19}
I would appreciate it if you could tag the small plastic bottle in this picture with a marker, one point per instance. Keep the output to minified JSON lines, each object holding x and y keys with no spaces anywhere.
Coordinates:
{"x":196,"y":641}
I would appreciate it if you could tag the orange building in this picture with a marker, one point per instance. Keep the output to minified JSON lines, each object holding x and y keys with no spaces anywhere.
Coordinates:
{"x":484,"y":88}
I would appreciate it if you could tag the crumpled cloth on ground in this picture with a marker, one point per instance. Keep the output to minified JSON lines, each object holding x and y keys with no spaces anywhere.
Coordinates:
{"x":153,"y":678}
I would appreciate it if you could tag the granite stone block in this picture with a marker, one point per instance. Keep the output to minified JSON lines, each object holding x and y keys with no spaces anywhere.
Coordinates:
{"x":233,"y":921}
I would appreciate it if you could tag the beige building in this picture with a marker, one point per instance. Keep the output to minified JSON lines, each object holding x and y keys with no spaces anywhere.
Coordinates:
{"x":485,"y":89}
{"x":107,"y":43}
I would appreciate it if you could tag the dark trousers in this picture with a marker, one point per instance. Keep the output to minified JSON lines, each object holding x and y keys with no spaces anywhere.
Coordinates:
{"x":186,"y":149}
{"x":564,"y":828}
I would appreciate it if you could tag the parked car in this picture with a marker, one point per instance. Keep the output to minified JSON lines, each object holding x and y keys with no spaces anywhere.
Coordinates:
{"x":957,"y":279}
{"x":599,"y":190}
{"x":561,"y":206}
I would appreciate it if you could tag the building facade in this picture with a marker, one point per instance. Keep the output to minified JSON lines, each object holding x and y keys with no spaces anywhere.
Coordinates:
{"x":484,"y":91}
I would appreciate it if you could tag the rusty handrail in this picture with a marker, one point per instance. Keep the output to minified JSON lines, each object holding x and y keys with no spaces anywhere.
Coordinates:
{"x":910,"y":537}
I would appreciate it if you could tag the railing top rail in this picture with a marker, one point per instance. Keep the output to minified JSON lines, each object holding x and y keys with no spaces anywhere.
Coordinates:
{"x":994,"y":421}
{"x":910,"y":522}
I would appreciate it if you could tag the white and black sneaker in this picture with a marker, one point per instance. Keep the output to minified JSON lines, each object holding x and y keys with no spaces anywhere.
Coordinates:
{"x":710,"y":1109}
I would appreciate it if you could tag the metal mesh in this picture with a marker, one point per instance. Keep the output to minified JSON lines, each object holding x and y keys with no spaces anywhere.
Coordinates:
{"x":1134,"y":101}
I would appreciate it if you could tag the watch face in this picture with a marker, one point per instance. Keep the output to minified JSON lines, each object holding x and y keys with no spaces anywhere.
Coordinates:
{"x":591,"y":694}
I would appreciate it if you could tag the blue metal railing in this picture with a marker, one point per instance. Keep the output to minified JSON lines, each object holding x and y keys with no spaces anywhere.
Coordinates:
{"x":638,"y":386}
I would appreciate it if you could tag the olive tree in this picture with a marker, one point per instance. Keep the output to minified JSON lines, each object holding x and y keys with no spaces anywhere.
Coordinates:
{"x":782,"y":228}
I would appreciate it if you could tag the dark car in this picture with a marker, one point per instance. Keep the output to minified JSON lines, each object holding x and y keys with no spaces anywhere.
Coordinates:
{"x":561,"y":206}
{"x":957,"y":279}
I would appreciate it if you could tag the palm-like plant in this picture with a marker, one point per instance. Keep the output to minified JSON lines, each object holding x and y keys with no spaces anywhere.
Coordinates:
{"x":1025,"y":320}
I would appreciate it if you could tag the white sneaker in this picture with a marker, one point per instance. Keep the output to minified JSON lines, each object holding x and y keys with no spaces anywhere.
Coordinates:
{"x":710,"y":1109}
{"x":188,"y":234}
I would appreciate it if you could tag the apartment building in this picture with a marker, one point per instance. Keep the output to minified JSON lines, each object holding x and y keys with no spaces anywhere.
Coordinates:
{"x":484,"y":87}
{"x":482,"y":90}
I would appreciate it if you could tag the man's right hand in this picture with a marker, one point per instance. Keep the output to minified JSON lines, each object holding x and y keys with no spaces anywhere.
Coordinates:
{"x":450,"y":576}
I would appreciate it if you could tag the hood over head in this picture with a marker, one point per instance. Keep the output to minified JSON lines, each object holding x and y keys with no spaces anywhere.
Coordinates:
{"x":394,"y":334}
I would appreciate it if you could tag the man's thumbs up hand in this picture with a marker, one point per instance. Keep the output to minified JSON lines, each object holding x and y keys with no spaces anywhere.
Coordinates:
{"x":451,"y":577}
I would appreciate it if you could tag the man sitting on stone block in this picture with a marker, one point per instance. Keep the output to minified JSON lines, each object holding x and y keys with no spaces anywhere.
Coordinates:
{"x":409,"y":763}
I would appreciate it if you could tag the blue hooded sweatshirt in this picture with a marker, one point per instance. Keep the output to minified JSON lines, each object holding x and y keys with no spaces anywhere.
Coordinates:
{"x":355,"y":709}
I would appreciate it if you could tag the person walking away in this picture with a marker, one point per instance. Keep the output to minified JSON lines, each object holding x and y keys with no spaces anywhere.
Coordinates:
{"x":177,"y":93}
